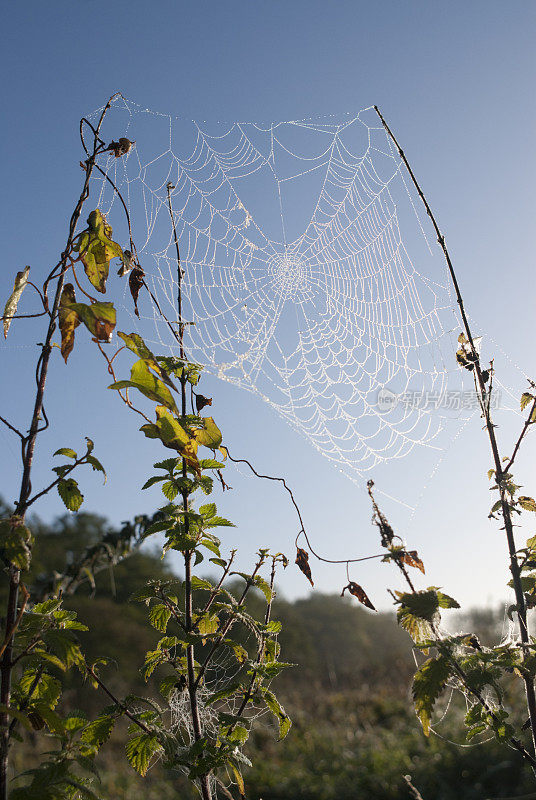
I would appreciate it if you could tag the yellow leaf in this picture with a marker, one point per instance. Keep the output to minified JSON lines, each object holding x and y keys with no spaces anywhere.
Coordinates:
{"x":68,"y":320}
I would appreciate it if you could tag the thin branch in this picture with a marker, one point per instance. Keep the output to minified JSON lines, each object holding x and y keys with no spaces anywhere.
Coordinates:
{"x":25,"y":316}
{"x":12,"y":428}
{"x":414,"y":791}
{"x":228,"y":624}
{"x":302,"y":531}
{"x":11,"y":631}
{"x":526,"y":426}
{"x":116,"y":701}
{"x":216,"y":589}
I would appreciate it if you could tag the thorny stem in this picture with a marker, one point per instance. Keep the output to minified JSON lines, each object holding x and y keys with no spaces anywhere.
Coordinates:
{"x":528,"y":422}
{"x":381,"y":522}
{"x":190,"y":661}
{"x":499,"y":470}
{"x":6,"y":664}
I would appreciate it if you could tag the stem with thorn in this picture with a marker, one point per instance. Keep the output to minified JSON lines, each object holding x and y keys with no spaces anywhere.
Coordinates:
{"x":490,"y":428}
{"x":29,"y":442}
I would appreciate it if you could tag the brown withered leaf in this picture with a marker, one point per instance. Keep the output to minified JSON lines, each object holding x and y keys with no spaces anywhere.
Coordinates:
{"x":135,"y":282}
{"x":357,"y":591}
{"x":122,"y":147}
{"x":411,"y":558}
{"x":201,"y":402}
{"x":68,"y":320}
{"x":302,"y":560}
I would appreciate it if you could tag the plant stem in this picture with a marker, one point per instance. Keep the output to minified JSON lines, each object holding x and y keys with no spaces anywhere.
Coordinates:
{"x":190,"y":660}
{"x":490,"y":428}
{"x":6,"y":664}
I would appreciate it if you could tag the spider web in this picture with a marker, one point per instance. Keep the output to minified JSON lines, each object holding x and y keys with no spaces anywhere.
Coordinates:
{"x":298,"y":283}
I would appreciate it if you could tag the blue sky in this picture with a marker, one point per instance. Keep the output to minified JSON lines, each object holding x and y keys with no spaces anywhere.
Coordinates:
{"x":456,"y":82}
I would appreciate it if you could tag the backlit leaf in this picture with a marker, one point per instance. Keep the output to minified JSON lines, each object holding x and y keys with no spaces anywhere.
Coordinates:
{"x":359,"y":592}
{"x":210,"y":436}
{"x":99,"y":318}
{"x":70,"y":494}
{"x":526,"y":398}
{"x":428,"y":683}
{"x":528,"y":503}
{"x":68,"y":320}
{"x":283,"y":720}
{"x":142,"y":379}
{"x":140,"y":749}
{"x":159,"y":617}
{"x":16,"y":542}
{"x":302,"y":560}
{"x":96,"y":250}
{"x":411,"y":558}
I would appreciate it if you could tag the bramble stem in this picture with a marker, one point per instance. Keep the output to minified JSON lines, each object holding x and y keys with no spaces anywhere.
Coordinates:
{"x":192,"y":682}
{"x":490,"y":428}
{"x":6,"y":664}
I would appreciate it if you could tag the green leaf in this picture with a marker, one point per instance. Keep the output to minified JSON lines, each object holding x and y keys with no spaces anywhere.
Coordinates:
{"x":283,"y":720}
{"x":142,"y":379}
{"x":527,"y":503}
{"x":240,"y":652}
{"x":97,"y":466}
{"x":207,"y":624}
{"x":68,"y":320}
{"x":224,"y":693}
{"x":140,"y":749}
{"x":159,"y":617}
{"x":210,"y":463}
{"x":261,"y":584}
{"x":167,"y":686}
{"x":48,"y":689}
{"x":96,"y":250}
{"x":239,"y":780}
{"x":66,"y":451}
{"x":210,"y":436}
{"x":10,"y":309}
{"x":428,"y":683}
{"x":99,"y":318}
{"x":16,"y":542}
{"x":64,"y":645}
{"x":70,"y":494}
{"x":170,"y":490}
{"x":135,"y":343}
{"x":151,"y":481}
{"x":417,"y":612}
{"x":445,"y":601}
{"x":526,"y":398}
{"x":423,"y":604}
{"x":98,"y":731}
{"x":172,"y":435}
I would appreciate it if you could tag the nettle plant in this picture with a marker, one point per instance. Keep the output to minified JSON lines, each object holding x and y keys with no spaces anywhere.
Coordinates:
{"x":216,"y":659}
{"x":216,"y":683}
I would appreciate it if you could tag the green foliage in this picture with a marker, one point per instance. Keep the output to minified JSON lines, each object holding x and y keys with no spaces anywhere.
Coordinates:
{"x":70,"y":494}
{"x":140,"y":749}
{"x":428,"y":683}
{"x":16,"y":542}
{"x":96,"y":249}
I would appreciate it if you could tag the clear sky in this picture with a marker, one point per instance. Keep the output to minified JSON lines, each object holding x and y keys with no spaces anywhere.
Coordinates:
{"x":456,"y":81}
